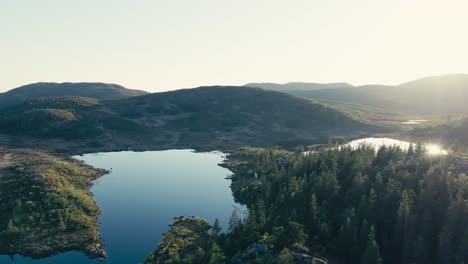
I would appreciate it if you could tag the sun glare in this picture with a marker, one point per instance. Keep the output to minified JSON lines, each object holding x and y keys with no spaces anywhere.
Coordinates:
{"x":435,"y":150}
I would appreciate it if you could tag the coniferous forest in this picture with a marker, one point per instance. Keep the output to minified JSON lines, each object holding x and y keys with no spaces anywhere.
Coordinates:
{"x":349,"y":206}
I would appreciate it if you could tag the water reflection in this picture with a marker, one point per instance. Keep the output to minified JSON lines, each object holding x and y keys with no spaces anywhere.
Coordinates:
{"x":414,"y":121}
{"x":141,"y":195}
{"x":376,"y":143}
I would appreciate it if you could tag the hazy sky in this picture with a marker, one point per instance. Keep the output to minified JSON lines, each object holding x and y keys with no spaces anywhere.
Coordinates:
{"x":161,"y":45}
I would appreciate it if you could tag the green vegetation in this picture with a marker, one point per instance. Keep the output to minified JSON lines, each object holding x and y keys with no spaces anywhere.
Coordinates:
{"x":362,"y":207}
{"x":63,"y":117}
{"x":45,"y":205}
{"x":202,"y":118}
{"x":101,"y":91}
{"x":352,"y":206}
{"x":186,"y":242}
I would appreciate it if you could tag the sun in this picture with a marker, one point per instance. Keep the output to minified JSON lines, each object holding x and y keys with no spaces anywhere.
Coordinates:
{"x":435,"y":150}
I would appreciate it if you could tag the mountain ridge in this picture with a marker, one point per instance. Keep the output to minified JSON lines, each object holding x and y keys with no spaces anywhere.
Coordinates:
{"x":97,"y":90}
{"x":204,"y":117}
{"x":433,"y":95}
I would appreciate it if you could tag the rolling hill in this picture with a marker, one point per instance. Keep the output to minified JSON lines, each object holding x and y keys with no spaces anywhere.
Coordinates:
{"x":298,"y":86}
{"x":101,"y":91}
{"x":438,"y":95}
{"x":204,"y":117}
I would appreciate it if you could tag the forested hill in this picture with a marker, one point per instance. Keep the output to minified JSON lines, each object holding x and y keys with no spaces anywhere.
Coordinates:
{"x":350,"y":206}
{"x":202,"y":117}
{"x":438,"y":95}
{"x":43,"y":89}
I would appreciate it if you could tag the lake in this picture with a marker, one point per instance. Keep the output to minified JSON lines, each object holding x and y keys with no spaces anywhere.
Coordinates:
{"x":414,"y":121}
{"x":376,"y":143}
{"x":142,"y":194}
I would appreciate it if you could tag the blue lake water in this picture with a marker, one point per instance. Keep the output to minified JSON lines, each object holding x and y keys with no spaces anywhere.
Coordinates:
{"x":141,"y":195}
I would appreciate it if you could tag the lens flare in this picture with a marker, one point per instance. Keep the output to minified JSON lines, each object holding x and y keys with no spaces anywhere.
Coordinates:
{"x":433,"y":149}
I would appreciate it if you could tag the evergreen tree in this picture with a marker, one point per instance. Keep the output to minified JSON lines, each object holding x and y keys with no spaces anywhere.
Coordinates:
{"x":216,"y":255}
{"x":62,"y":225}
{"x":285,"y":257}
{"x":345,"y":239}
{"x":11,"y":228}
{"x":234,"y":221}
{"x":261,"y":213}
{"x":313,"y":215}
{"x":372,"y":253}
{"x":364,"y":235}
{"x":216,"y":229}
{"x":461,"y":255}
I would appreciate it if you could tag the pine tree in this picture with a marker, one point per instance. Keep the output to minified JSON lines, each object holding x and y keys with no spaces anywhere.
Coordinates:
{"x":285,"y":257}
{"x":461,"y":254}
{"x":372,"y":254}
{"x":345,"y":239}
{"x":11,"y":228}
{"x":403,"y":235}
{"x":448,"y":233}
{"x":62,"y":225}
{"x":364,"y":234}
{"x":362,"y":209}
{"x":410,"y":151}
{"x":314,"y":214}
{"x":420,"y":255}
{"x":216,"y":255}
{"x":261,"y":213}
{"x":233,"y":222}
{"x":216,"y":229}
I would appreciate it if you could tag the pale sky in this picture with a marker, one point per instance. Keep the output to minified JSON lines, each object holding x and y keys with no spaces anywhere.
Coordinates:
{"x":162,"y":45}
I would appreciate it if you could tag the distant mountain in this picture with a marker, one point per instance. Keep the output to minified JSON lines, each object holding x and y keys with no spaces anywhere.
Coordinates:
{"x":200,"y":118}
{"x":446,"y":94}
{"x":298,"y":86}
{"x":439,"y":95}
{"x":93,"y":90}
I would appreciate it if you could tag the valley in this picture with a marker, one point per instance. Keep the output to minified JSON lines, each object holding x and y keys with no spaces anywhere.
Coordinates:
{"x":233,"y":132}
{"x":266,"y":135}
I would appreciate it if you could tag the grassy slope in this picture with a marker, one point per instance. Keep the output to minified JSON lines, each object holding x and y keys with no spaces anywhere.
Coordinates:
{"x":46,"y":206}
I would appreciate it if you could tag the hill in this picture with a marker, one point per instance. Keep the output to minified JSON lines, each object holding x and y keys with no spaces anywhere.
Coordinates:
{"x":205,"y":117}
{"x":438,"y":95}
{"x":298,"y":86}
{"x":101,"y":91}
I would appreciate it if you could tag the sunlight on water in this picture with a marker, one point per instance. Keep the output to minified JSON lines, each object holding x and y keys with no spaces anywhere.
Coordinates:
{"x":376,"y":143}
{"x":414,"y":121}
{"x":435,"y":150}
